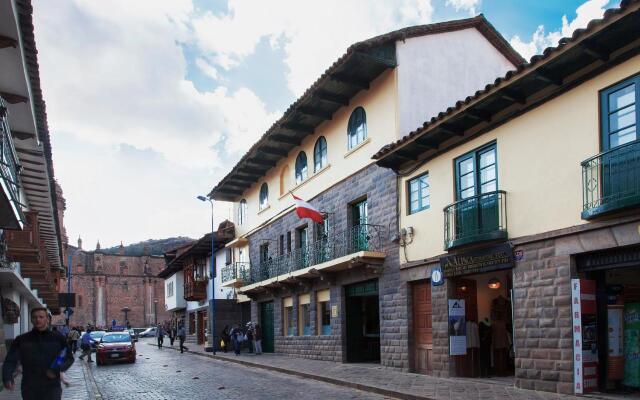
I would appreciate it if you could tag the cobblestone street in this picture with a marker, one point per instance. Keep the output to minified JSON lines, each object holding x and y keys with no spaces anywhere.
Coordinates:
{"x":167,"y":374}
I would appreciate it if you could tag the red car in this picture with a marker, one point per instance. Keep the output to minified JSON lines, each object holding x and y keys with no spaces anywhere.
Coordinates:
{"x":116,"y":346}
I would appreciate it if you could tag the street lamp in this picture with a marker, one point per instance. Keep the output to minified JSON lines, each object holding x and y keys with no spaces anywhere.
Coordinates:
{"x":212,"y":273}
{"x":155,"y":311}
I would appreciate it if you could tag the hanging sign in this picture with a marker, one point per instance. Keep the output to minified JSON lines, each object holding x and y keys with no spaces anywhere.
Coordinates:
{"x":585,"y":346}
{"x":437,"y":278}
{"x":457,"y":328}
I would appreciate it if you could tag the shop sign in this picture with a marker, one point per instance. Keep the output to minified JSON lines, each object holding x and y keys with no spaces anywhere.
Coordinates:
{"x":436,"y":277}
{"x":585,"y":345}
{"x":485,"y":260}
{"x":457,"y":328}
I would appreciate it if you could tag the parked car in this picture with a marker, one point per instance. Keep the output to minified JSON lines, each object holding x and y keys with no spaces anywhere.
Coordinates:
{"x":95,"y":338}
{"x":149,"y":332}
{"x":116,"y":346}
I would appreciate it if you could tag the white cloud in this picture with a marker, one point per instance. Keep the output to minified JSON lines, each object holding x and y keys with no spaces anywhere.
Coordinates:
{"x":468,"y":5}
{"x":206,"y":67}
{"x":589,"y":10}
{"x":312,"y":34}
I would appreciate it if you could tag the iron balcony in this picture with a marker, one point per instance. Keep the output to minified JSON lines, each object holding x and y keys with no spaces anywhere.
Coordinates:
{"x":11,"y":216}
{"x":611,"y":180}
{"x":476,"y":219}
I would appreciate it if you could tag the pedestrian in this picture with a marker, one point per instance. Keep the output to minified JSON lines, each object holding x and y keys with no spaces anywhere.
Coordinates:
{"x":160,"y":335}
{"x":85,"y":345}
{"x":249,"y":337}
{"x":182,"y":335}
{"x":172,"y":334}
{"x":226,"y":338}
{"x":257,"y":339}
{"x":236,"y":339}
{"x":72,"y":339}
{"x":43,"y":356}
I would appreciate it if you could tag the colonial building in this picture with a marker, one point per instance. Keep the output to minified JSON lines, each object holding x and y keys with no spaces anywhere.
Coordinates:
{"x":115,"y":287}
{"x":32,"y":236}
{"x":519,"y":214}
{"x":189,"y":289}
{"x":330,"y":290}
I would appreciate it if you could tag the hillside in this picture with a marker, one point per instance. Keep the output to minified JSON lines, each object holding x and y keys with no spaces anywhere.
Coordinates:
{"x":155,"y":246}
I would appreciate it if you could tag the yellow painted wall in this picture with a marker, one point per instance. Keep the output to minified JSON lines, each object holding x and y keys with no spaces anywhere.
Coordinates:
{"x":379,"y":103}
{"x":539,"y":156}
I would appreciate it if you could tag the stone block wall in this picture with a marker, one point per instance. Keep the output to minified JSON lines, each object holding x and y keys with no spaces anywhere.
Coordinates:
{"x":379,"y":187}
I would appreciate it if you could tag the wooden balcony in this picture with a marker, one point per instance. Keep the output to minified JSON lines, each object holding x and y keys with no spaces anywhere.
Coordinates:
{"x":195,"y":290}
{"x":195,"y":279}
{"x":24,"y":246}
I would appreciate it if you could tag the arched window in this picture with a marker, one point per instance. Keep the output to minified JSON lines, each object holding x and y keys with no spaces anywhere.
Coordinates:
{"x":264,"y":196}
{"x":242,"y":212}
{"x":285,"y":180}
{"x":301,"y":167}
{"x":320,"y":154}
{"x":357,"y":129}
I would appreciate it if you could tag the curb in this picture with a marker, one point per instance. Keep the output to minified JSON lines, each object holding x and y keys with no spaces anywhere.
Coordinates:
{"x":335,"y":381}
{"x":92,"y":387}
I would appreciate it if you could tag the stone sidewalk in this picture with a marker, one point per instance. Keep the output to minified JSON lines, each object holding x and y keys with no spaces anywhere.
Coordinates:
{"x":383,"y":381}
{"x":82,"y":385}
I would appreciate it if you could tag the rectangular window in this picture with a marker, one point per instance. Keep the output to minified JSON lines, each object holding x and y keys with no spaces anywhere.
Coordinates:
{"x":477,"y":173}
{"x":418,"y":193}
{"x":227,"y":256}
{"x":304,"y":315}
{"x":281,"y":245}
{"x":264,"y":252}
{"x":287,"y":316}
{"x":288,"y":242}
{"x":170,"y":289}
{"x":620,"y":109}
{"x":324,"y":313}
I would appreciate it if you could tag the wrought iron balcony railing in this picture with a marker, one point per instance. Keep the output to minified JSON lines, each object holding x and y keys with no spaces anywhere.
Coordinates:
{"x":611,"y":180}
{"x":232,"y":272}
{"x":9,"y":160}
{"x":327,"y":248}
{"x":476,"y":219}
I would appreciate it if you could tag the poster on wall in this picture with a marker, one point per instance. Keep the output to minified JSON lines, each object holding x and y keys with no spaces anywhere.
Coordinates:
{"x":457,"y":328}
{"x":585,"y":334}
{"x":632,"y":345}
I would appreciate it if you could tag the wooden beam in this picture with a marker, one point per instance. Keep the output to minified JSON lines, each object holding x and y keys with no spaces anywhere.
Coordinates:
{"x":302,"y":128}
{"x":315,"y":112}
{"x":480,"y":115}
{"x":285,"y":139}
{"x":13,"y":98}
{"x":513,"y":95}
{"x":595,"y":50}
{"x":6,"y":41}
{"x":403,"y":153}
{"x":331,"y":98}
{"x":350,"y":80}
{"x":376,"y":60}
{"x":244,"y":179}
{"x":450,"y":130}
{"x":260,"y":161}
{"x":273,"y":150}
{"x":547,"y":76}
{"x":424,"y":143}
{"x":22,"y":135}
{"x":251,"y":172}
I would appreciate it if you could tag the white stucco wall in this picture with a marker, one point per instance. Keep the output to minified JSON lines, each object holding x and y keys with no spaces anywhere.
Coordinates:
{"x":177,"y":300}
{"x":435,"y":71}
{"x":221,"y":292}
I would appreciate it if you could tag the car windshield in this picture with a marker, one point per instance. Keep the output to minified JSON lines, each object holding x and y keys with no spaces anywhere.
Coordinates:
{"x":97,"y":334}
{"x":118,"y":337}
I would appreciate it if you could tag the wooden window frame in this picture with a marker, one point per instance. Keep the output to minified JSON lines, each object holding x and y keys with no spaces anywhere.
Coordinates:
{"x":421,"y":207}
{"x":605,"y":107}
{"x":353,"y":130}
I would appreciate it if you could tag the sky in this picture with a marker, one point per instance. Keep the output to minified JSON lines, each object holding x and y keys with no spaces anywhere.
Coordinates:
{"x":151,"y":102}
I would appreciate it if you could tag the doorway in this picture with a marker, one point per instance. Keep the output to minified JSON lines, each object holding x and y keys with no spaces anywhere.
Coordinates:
{"x":422,"y":327}
{"x":200,"y":326}
{"x":363,"y":322}
{"x":266,"y":322}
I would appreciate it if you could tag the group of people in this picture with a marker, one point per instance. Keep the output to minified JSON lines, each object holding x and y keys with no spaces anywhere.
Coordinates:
{"x":235,"y":337}
{"x":180,"y":333}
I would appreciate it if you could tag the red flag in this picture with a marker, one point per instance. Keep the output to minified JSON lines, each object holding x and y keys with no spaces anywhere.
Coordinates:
{"x":306,"y":210}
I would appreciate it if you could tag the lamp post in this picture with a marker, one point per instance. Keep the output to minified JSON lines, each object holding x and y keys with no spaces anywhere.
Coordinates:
{"x":212,"y":273}
{"x":155,"y":311}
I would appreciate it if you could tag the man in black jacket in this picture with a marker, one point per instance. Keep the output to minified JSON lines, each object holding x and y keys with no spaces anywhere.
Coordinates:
{"x":40,"y":352}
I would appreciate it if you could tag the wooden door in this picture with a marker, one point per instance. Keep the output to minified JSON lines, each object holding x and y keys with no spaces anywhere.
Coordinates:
{"x":422,"y":328}
{"x":266,"y":322}
{"x":200,"y":325}
{"x":466,"y":289}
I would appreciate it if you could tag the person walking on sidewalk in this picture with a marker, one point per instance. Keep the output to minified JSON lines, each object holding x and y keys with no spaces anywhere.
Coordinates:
{"x":182,"y":335}
{"x":172,"y":334}
{"x":160,"y":335}
{"x":226,"y":338}
{"x":85,"y":345}
{"x":249,"y":337}
{"x":236,"y":339}
{"x":43,"y":355}
{"x":257,"y":339}
{"x":72,"y":338}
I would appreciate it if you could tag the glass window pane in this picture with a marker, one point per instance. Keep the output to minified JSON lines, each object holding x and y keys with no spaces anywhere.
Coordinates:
{"x":487,"y":158}
{"x":468,"y":193}
{"x":467,"y":181}
{"x":622,"y":97}
{"x":487,"y":174}
{"x":624,"y":136}
{"x":414,"y":206}
{"x":489,"y":187}
{"x":622,"y":118}
{"x":424,"y":183}
{"x":466,"y":166}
